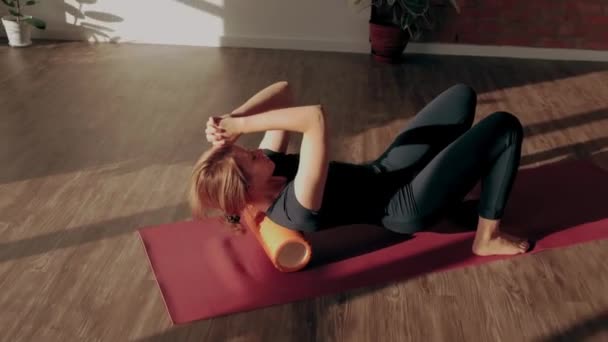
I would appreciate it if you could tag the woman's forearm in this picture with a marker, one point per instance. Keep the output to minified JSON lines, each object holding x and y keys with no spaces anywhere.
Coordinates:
{"x":294,"y":119}
{"x":275,"y":96}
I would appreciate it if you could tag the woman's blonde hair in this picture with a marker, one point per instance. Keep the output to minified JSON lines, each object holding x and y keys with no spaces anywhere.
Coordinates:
{"x":218,"y":183}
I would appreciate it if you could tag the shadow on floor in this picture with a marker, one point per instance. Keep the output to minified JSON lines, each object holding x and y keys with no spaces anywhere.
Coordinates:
{"x":582,"y":331}
{"x":47,"y":242}
{"x":584,"y":150}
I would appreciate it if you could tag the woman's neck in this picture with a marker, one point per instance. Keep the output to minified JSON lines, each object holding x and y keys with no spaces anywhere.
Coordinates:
{"x":264,"y":199}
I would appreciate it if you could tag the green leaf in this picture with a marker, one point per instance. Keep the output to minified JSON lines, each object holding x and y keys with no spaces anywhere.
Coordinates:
{"x":38,"y":23}
{"x":405,"y":22}
{"x":414,"y":7}
{"x":9,"y":3}
{"x":31,"y":2}
{"x":15,"y":13}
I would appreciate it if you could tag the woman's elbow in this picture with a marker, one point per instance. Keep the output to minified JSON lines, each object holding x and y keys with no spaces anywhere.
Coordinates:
{"x":319,"y":114}
{"x":314,"y":121}
{"x":317,"y":124}
{"x":283,"y":84}
{"x":283,"y":87}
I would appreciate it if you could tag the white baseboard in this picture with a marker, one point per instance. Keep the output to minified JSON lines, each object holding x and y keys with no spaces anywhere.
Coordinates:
{"x":296,"y":44}
{"x":508,"y":51}
{"x":420,"y":48}
{"x":362,"y":46}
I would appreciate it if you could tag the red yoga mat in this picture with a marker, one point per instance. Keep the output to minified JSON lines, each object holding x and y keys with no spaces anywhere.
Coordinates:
{"x":205,"y":271}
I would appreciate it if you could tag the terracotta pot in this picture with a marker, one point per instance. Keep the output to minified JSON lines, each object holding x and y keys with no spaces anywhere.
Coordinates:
{"x":387,"y":42}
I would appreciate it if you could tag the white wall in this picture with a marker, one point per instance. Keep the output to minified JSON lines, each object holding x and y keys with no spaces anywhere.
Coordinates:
{"x":208,"y":22}
{"x":323,"y":25}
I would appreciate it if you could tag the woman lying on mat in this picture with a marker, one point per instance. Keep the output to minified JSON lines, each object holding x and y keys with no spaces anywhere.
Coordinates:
{"x":430,"y":166}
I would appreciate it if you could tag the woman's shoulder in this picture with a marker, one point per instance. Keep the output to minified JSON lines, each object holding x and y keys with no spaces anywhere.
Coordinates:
{"x":287,"y":211}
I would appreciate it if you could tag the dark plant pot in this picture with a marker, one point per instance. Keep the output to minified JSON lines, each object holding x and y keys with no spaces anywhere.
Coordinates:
{"x":387,"y":42}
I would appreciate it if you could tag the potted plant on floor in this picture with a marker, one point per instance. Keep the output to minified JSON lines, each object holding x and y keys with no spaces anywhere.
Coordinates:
{"x":17,"y":25}
{"x":394,"y":22}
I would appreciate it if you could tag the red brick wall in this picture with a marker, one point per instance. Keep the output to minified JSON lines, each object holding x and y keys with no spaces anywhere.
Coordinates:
{"x":573,"y":24}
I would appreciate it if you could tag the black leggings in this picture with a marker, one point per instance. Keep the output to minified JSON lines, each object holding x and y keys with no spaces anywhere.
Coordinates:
{"x":441,"y":157}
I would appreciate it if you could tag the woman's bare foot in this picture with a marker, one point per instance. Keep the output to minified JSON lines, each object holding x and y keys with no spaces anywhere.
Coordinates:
{"x":499,"y":245}
{"x":490,"y":241}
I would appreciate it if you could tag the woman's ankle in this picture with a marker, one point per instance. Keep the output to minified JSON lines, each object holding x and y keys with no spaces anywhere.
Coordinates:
{"x":487,"y":228}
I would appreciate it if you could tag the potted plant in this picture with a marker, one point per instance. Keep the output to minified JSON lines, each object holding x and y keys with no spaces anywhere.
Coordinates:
{"x":17,"y":25}
{"x":393,"y":23}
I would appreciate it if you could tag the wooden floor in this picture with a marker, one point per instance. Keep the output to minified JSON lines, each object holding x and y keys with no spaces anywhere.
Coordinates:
{"x":98,"y":140}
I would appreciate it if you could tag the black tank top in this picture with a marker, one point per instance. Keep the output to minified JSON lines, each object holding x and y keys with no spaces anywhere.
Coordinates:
{"x":350,"y":196}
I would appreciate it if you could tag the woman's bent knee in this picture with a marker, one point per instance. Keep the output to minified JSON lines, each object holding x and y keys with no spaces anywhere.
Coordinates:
{"x":509,"y":122}
{"x":464,"y":90}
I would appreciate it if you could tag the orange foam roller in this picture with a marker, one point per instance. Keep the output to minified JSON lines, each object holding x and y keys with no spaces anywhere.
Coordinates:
{"x":286,"y":248}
